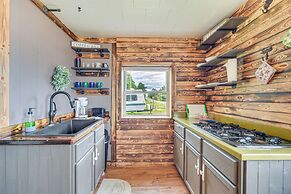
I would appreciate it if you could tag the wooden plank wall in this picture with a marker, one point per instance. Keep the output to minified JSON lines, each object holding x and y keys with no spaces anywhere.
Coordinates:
{"x":4,"y":63}
{"x":150,"y":141}
{"x":252,"y":101}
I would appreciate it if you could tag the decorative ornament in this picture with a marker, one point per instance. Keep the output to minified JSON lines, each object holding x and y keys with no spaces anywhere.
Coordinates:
{"x":287,"y":39}
{"x":61,"y":78}
{"x":265,"y":72}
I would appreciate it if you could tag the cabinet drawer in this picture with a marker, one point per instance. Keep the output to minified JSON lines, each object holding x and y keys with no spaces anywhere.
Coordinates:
{"x":225,"y":163}
{"x":99,"y":133}
{"x":179,"y":129}
{"x":194,"y":140}
{"x":84,"y":146}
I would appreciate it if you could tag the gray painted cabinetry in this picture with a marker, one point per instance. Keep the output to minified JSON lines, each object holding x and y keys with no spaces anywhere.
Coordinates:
{"x":53,"y":169}
{"x":206,"y":169}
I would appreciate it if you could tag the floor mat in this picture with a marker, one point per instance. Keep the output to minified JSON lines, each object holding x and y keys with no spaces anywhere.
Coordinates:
{"x":114,"y":186}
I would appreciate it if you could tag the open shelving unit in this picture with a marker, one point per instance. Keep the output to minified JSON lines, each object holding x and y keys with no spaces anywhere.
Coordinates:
{"x":220,"y":31}
{"x":231,"y":54}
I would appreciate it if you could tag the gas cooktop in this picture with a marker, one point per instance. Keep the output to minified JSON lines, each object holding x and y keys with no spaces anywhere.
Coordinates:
{"x":241,"y":137}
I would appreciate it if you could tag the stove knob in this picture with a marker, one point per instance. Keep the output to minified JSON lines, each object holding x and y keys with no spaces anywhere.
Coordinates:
{"x":274,"y":140}
{"x":248,"y":139}
{"x":242,"y":141}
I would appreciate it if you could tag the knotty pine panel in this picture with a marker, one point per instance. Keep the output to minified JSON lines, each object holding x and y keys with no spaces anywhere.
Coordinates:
{"x":267,"y":104}
{"x":150,"y":141}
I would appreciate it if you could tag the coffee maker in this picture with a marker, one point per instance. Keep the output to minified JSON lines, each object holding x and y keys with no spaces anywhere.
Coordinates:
{"x":80,"y":105}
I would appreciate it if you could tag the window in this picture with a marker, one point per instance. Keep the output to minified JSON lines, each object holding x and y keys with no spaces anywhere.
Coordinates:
{"x":146,"y":92}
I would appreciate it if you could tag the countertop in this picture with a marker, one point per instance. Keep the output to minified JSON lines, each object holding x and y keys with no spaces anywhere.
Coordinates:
{"x":239,"y":153}
{"x":22,"y":139}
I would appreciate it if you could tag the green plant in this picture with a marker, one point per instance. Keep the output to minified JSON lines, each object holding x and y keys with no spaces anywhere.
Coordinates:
{"x":61,"y":78}
{"x":287,"y":39}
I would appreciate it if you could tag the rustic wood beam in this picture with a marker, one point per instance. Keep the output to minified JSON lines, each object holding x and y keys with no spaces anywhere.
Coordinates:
{"x":56,"y":20}
{"x":4,"y":63}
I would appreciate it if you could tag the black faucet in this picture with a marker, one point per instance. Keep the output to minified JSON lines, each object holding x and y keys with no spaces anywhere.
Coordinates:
{"x":53,"y":107}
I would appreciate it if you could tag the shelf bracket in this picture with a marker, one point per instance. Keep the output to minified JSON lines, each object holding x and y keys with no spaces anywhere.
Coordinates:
{"x":266,"y":6}
{"x":265,"y":52}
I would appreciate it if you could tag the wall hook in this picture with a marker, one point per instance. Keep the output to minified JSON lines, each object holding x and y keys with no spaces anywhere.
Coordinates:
{"x":46,"y":10}
{"x":266,"y":6}
{"x":265,"y":52}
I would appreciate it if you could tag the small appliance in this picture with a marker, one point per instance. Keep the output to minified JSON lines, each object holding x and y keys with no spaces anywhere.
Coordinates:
{"x":81,"y":104}
{"x":98,"y":112}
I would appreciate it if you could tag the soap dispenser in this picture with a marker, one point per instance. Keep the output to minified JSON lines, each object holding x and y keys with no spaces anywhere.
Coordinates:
{"x":30,"y":121}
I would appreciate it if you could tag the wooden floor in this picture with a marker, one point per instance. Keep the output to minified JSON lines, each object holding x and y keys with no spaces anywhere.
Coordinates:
{"x":150,"y":180}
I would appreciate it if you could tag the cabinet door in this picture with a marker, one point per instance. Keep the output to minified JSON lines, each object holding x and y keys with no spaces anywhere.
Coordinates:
{"x":99,"y":160}
{"x":215,"y":182}
{"x":179,"y":153}
{"x":84,"y":174}
{"x":192,"y":169}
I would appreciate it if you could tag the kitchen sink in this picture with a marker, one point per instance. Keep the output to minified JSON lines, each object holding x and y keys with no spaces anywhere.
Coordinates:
{"x":66,"y":128}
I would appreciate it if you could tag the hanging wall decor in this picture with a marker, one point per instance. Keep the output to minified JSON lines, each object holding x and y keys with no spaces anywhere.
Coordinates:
{"x":61,"y":78}
{"x":287,"y":39}
{"x":265,"y":72}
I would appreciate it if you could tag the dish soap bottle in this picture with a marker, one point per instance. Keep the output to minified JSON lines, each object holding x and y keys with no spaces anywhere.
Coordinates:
{"x":30,"y":121}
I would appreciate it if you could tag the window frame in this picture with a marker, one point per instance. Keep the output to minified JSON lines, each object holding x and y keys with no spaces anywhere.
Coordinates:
{"x":166,"y":69}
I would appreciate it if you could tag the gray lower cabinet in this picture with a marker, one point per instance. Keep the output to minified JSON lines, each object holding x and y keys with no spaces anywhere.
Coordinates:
{"x":85,"y":174}
{"x":179,"y":153}
{"x":99,"y":164}
{"x":53,"y":169}
{"x":192,"y":169}
{"x":215,"y":182}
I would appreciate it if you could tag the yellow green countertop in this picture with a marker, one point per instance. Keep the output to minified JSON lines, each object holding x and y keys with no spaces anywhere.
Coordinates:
{"x":239,"y":153}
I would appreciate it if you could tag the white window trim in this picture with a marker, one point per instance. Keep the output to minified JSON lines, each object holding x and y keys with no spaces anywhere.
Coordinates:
{"x":169,"y":89}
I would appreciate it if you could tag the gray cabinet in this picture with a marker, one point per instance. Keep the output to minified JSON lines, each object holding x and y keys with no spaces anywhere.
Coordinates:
{"x":85,"y":174}
{"x":99,"y":164}
{"x":215,"y":182}
{"x":192,"y":169}
{"x":53,"y":169}
{"x":179,"y":153}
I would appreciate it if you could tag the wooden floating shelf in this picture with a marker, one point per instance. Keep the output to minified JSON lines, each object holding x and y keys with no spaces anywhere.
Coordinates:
{"x":91,"y":69}
{"x":92,"y":72}
{"x":231,"y":54}
{"x":92,"y":91}
{"x":220,"y":31}
{"x":213,"y":85}
{"x":91,"y":50}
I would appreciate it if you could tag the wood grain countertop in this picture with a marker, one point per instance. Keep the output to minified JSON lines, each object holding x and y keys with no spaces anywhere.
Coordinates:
{"x":22,"y":139}
{"x":239,"y":153}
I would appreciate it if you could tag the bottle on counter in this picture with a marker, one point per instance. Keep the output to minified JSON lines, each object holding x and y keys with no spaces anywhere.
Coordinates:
{"x":30,"y":121}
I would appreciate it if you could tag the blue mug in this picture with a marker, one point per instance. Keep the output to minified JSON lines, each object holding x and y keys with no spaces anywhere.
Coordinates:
{"x":91,"y":84}
{"x":77,"y":84}
{"x":99,"y":84}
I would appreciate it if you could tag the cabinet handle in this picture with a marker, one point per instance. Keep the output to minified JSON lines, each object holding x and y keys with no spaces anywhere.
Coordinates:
{"x":93,"y":162}
{"x":197,"y":166}
{"x":181,"y":148}
{"x":202,"y":172}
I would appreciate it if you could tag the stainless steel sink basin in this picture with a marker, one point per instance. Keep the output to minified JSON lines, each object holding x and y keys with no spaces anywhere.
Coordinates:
{"x":66,"y":128}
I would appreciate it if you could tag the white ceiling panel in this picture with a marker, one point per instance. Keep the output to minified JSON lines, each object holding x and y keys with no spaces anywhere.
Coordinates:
{"x":142,"y":18}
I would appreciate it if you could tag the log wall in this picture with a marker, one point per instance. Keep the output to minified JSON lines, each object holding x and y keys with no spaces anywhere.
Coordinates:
{"x":252,"y":101}
{"x":150,"y":141}
{"x":4,"y":63}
